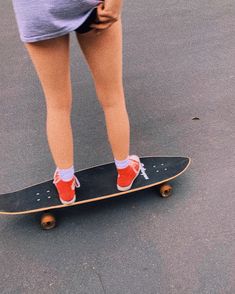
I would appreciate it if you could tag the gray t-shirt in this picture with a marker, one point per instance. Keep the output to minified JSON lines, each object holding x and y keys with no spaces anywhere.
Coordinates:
{"x":44,"y":19}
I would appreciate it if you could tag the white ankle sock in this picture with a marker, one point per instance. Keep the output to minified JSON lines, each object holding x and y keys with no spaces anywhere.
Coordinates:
{"x":120,"y":164}
{"x":66,"y":174}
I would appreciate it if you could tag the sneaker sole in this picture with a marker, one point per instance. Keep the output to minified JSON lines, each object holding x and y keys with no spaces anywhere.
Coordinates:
{"x":68,"y":202}
{"x":123,"y":189}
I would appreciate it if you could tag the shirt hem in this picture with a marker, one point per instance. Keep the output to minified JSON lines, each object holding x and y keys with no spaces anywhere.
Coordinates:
{"x":53,"y":35}
{"x":47,"y":36}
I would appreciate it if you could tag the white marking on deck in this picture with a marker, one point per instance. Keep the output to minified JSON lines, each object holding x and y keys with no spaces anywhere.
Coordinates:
{"x":143,"y":173}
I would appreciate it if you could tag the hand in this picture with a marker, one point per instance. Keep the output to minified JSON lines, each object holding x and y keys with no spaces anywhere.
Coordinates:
{"x":108,"y":12}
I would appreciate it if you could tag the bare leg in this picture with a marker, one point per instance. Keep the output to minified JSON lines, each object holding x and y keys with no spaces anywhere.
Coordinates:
{"x":103,"y":53}
{"x":51,"y":61}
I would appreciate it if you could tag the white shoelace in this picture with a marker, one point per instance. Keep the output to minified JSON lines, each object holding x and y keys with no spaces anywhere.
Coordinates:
{"x":133,"y":164}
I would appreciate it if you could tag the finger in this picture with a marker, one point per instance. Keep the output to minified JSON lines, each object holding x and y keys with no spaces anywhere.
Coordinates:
{"x":108,"y":15}
{"x":103,"y":19}
{"x":105,"y":13}
{"x":100,"y":31}
{"x":101,"y":25}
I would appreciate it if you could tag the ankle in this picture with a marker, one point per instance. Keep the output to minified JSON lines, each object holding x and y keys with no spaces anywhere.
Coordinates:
{"x":66,"y":174}
{"x":121,"y":164}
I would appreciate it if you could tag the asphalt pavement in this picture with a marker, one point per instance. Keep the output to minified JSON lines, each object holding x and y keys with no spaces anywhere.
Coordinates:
{"x":179,"y":63}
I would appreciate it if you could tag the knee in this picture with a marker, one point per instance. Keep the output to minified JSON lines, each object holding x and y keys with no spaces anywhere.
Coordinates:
{"x":111,"y":98}
{"x":111,"y":102}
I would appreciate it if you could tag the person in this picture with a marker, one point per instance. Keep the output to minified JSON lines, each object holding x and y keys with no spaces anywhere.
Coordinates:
{"x":44,"y":28}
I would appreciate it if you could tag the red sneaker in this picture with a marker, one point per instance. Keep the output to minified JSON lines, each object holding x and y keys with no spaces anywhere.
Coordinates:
{"x":66,"y":189}
{"x":126,"y":176}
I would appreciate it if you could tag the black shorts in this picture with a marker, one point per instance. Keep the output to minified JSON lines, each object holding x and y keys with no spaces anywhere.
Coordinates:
{"x":85,"y":27}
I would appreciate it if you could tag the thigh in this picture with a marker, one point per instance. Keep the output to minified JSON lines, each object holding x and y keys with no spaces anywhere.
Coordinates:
{"x":51,"y":61}
{"x":103,"y":53}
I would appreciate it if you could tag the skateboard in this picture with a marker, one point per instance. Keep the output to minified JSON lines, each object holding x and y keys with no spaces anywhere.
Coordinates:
{"x":97,"y":183}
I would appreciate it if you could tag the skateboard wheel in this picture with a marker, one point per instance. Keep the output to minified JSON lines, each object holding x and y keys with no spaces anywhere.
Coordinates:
{"x":166,"y":190}
{"x":48,"y":221}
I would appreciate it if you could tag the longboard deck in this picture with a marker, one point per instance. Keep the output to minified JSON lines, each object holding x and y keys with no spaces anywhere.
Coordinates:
{"x":97,"y":183}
